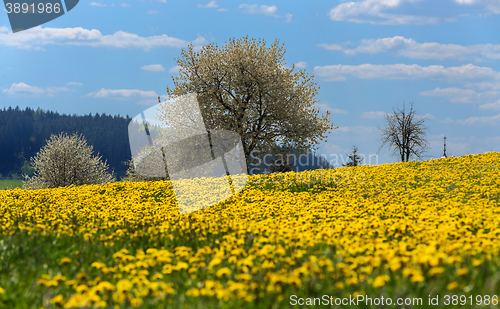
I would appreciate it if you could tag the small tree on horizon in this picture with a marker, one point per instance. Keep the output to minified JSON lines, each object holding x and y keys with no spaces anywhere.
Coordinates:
{"x":405,"y":133}
{"x":354,"y":159}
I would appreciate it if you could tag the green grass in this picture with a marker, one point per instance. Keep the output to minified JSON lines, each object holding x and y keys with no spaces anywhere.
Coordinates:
{"x":10,"y":184}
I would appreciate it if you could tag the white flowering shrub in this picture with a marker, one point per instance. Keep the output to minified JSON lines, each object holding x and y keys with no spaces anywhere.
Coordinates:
{"x":66,"y":160}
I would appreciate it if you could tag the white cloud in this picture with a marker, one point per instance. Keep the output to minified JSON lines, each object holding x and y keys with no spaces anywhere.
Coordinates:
{"x":373,"y":115}
{"x":491,"y":106}
{"x":373,"y":11}
{"x":262,"y":9}
{"x":152,"y":12}
{"x":101,"y":4}
{"x":338,"y":111}
{"x":447,"y":121}
{"x":465,"y":72}
{"x":153,"y":68}
{"x":25,"y":89}
{"x":22,"y":88}
{"x":174,"y":69}
{"x":325,"y":107}
{"x":211,"y":5}
{"x":301,"y":65}
{"x":488,"y":120}
{"x":74,"y":84}
{"x":448,"y":92}
{"x":458,"y":95}
{"x":125,"y":5}
{"x":334,"y":149}
{"x":56,"y":89}
{"x":122,"y":93}
{"x":489,"y":6}
{"x":288,"y":17}
{"x":426,"y":116}
{"x":331,"y":46}
{"x":410,"y":48}
{"x":484,"y":85}
{"x":162,"y":1}
{"x":38,"y":36}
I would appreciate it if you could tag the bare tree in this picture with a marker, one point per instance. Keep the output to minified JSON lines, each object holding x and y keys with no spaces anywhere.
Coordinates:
{"x":405,"y":133}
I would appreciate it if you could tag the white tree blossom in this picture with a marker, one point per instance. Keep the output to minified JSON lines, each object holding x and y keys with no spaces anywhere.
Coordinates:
{"x":66,"y":160}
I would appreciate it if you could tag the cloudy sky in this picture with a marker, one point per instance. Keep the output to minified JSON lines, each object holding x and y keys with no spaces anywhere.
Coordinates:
{"x":368,"y":56}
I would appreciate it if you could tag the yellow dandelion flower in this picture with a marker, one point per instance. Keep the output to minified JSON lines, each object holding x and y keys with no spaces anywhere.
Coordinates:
{"x":119,"y":297}
{"x":51,"y":283}
{"x":59,"y":278}
{"x":98,"y":265}
{"x":167,"y":288}
{"x":106,"y":285}
{"x":223,"y":294}
{"x":214,"y":262}
{"x":157,"y":276}
{"x":124,"y":285}
{"x":417,"y":278}
{"x":235,"y":286}
{"x":193,"y":292}
{"x":81,"y":276}
{"x":181,"y":265}
{"x":379,"y":281}
{"x":81,"y":288}
{"x":452,"y":285}
{"x":136,"y":302}
{"x":64,"y":260}
{"x":245,"y":277}
{"x":101,"y":304}
{"x":223,"y":272}
{"x":167,"y":269}
{"x":435,"y":271}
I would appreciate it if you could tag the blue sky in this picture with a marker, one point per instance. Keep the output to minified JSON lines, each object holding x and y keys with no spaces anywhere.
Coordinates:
{"x":368,"y":56}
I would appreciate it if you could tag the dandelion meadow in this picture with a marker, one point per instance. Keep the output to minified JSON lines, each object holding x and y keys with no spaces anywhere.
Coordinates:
{"x":405,"y":230}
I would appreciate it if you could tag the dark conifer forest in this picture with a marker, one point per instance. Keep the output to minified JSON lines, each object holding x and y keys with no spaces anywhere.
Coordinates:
{"x":24,"y":132}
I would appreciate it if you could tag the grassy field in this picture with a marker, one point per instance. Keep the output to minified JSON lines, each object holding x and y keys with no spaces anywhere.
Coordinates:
{"x":10,"y":183}
{"x":411,"y":234}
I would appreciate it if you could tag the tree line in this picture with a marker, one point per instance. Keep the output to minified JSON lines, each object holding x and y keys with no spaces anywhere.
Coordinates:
{"x":24,"y":132}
